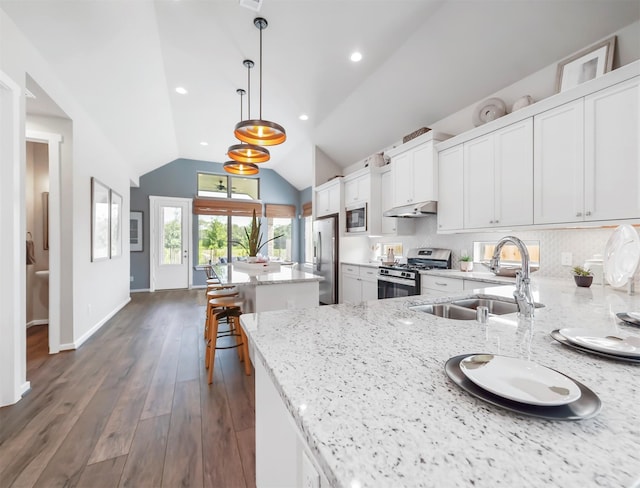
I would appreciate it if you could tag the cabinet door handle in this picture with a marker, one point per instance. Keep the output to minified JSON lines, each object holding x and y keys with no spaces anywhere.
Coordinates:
{"x":491,"y":221}
{"x":588,"y":213}
{"x":579,"y":214}
{"x":440,"y":284}
{"x":497,"y":222}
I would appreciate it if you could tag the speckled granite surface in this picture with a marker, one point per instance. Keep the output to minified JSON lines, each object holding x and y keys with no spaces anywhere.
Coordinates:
{"x":483,"y":276}
{"x":379,"y":409}
{"x":229,"y":274}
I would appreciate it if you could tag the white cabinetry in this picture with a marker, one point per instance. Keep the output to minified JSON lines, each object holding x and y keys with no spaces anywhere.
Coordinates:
{"x":328,"y":198}
{"x":587,"y":161}
{"x":391,"y":225}
{"x":415,"y":173}
{"x":359,"y":283}
{"x":498,"y":178}
{"x":450,"y":189}
{"x":357,"y":189}
{"x":440,"y":286}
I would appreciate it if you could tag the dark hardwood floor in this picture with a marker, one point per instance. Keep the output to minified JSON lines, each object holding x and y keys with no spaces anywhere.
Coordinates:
{"x":132,"y":406}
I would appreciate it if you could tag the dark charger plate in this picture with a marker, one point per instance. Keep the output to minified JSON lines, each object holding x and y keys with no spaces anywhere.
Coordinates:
{"x":627,"y":319}
{"x":587,"y":406}
{"x":566,"y":342}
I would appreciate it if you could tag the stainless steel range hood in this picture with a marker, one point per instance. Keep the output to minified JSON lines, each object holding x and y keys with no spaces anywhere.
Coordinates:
{"x":421,"y":209}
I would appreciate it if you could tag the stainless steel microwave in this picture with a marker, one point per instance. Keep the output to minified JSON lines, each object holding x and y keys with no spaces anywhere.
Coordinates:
{"x":356,"y":217}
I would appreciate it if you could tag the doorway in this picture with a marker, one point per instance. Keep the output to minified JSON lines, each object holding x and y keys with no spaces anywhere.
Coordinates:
{"x":170,"y":236}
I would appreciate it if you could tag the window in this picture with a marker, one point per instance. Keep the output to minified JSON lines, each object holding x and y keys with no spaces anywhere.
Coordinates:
{"x":279,"y":248}
{"x":213,"y":239}
{"x":226,"y":186}
{"x":171,"y":235}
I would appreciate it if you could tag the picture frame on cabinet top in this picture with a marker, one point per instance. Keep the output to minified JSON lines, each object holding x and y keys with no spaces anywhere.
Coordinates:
{"x":585,"y":65}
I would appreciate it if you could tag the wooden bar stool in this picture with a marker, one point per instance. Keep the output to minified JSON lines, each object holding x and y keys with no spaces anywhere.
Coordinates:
{"x":232,"y":314}
{"x":227,"y":291}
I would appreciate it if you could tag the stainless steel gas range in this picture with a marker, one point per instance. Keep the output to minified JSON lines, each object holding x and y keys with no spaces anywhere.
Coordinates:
{"x":402,"y":280}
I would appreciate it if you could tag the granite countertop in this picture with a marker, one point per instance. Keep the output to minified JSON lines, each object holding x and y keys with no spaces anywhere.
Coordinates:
{"x":367,"y":264}
{"x":233,"y":276}
{"x":380,"y":410}
{"x":484,"y":276}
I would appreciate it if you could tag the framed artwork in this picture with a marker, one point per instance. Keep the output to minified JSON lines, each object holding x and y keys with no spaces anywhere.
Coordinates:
{"x":115,"y":218}
{"x":100,"y":228}
{"x":135,"y":231}
{"x":586,"y":65}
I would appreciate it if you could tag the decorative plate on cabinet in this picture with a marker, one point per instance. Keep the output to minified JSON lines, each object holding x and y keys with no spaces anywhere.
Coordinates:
{"x":490,"y":109}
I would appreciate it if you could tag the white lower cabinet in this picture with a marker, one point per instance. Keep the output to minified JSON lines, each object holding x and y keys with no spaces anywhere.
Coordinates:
{"x":283,"y":458}
{"x":439,"y":286}
{"x":359,"y":283}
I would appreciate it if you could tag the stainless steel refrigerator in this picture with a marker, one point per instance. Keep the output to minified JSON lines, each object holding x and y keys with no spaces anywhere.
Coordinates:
{"x":325,"y":257}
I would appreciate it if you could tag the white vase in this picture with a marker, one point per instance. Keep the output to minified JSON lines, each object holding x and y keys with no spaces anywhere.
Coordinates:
{"x":252,"y":259}
{"x":466,"y":265}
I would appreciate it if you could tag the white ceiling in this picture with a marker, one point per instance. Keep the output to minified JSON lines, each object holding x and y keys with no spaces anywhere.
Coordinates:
{"x":423,"y":60}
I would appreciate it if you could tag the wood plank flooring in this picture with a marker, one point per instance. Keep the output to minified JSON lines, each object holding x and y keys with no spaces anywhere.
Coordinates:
{"x":132,"y":406}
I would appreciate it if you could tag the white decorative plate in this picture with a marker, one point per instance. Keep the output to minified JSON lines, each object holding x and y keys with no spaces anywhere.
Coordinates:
{"x":490,"y":109}
{"x":520,"y":380}
{"x":598,"y":340}
{"x":621,"y":255}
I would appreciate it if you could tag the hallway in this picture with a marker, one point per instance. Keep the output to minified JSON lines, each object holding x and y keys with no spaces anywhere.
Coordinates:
{"x":132,"y":406}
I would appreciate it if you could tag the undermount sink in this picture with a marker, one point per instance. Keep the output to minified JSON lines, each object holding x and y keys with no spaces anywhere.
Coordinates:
{"x":465,"y":309}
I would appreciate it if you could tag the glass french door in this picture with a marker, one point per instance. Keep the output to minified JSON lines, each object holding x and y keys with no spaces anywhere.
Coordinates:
{"x":170,"y":235}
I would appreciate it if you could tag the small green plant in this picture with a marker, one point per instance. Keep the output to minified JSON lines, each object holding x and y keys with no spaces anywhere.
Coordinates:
{"x":580,"y":271}
{"x":254,"y":237}
{"x":465,"y":259}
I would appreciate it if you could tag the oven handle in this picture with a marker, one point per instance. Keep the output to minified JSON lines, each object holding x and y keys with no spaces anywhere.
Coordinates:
{"x":398,"y":281}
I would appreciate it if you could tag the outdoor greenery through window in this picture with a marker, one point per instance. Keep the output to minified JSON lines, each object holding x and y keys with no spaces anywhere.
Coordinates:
{"x":226,"y":186}
{"x":279,"y":248}
{"x":214,"y":238}
{"x":172,"y":236}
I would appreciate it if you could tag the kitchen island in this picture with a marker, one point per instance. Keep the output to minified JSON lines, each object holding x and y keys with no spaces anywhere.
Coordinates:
{"x":267,"y":289}
{"x":356,"y":396}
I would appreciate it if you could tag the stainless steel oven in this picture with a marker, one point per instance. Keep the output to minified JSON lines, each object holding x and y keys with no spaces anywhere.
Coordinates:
{"x":394,"y":283}
{"x":404,"y":280}
{"x":356,"y":218}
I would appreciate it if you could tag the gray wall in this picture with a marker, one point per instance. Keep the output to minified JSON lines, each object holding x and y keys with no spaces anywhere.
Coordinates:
{"x":179,"y":179}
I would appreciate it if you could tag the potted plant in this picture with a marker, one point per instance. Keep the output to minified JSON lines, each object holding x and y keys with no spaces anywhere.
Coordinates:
{"x":466,"y":263}
{"x":253,"y":237}
{"x":583,"y":277}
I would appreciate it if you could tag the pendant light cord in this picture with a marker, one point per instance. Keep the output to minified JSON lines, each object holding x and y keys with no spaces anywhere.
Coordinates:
{"x":261,"y":28}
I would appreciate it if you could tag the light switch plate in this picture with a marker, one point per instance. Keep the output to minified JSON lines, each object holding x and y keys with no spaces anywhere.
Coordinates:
{"x":566,"y":259}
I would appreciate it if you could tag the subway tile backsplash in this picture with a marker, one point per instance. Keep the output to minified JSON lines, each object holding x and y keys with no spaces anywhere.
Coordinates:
{"x":581,"y":243}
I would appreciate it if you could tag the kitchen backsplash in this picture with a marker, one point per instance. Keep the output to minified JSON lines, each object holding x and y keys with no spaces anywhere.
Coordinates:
{"x":582,"y":243}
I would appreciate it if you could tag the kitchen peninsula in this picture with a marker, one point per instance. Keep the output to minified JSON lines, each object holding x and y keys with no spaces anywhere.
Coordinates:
{"x":267,"y":289}
{"x":357,"y":396}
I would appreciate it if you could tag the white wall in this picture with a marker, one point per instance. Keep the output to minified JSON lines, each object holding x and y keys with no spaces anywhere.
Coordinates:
{"x":99,"y":289}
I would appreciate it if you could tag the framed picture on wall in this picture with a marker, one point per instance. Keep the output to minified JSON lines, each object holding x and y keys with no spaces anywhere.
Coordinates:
{"x":135,"y":231}
{"x":116,"y":224}
{"x":100,"y":228}
{"x":586,"y":65}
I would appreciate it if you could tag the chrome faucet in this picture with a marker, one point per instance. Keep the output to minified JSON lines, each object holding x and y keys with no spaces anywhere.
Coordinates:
{"x":522,"y":293}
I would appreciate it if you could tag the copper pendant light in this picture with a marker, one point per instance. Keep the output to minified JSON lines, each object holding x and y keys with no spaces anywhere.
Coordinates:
{"x":236,"y":168}
{"x":259,"y":131}
{"x":247,"y":153}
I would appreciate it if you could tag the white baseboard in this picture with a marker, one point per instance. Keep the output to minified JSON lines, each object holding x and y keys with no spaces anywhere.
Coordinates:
{"x":37,"y":322}
{"x":82,"y":339}
{"x":24,"y":388}
{"x":140,"y":290}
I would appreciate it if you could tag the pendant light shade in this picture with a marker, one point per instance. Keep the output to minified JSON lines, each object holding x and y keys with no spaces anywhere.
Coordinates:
{"x":259,"y":131}
{"x":236,"y":168}
{"x":247,"y":153}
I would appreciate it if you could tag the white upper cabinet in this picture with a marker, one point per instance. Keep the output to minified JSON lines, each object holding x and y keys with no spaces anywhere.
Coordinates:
{"x":415,"y":173}
{"x":498,"y":178}
{"x":391,"y":225}
{"x":612,"y":157}
{"x":450,"y":189}
{"x":357,"y":190}
{"x":328,"y":198}
{"x":587,"y":164}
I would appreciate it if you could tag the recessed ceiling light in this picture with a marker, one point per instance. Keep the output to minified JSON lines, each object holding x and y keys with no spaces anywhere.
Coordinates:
{"x":204,"y":143}
{"x":304,"y":117}
{"x":181,"y":90}
{"x":356,"y":56}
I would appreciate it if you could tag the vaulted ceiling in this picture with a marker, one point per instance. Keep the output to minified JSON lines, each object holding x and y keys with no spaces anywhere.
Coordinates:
{"x":422,"y":60}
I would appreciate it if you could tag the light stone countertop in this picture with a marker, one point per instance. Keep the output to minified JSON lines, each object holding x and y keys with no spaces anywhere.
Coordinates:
{"x":380,"y":410}
{"x":368,"y":264}
{"x":286,"y":274}
{"x":484,"y":276}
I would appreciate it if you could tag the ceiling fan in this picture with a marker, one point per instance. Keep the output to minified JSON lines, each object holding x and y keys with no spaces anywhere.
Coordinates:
{"x":222,"y":187}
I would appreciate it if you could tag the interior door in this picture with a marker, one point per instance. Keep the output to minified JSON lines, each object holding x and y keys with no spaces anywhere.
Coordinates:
{"x":170,"y":238}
